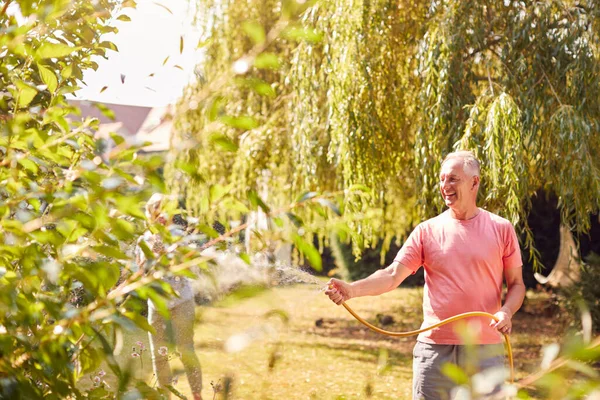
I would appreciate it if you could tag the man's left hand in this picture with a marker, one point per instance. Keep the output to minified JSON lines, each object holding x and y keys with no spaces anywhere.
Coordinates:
{"x":504,"y":324}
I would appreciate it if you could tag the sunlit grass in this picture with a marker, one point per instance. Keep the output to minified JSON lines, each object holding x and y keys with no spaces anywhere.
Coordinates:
{"x":321,"y":352}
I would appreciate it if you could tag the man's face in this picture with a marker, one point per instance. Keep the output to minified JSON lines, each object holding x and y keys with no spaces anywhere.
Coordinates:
{"x":458,"y":189}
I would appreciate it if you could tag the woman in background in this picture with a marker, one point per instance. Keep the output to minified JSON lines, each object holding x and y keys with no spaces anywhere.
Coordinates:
{"x":177,"y":332}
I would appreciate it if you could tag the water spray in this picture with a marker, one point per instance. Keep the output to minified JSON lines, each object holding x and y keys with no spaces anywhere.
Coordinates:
{"x":443,"y":322}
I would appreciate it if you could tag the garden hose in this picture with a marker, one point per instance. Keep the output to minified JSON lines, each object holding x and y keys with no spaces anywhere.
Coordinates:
{"x":443,"y":322}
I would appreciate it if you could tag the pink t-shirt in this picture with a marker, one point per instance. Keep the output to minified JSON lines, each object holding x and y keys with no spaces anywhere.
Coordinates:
{"x":464,"y":263}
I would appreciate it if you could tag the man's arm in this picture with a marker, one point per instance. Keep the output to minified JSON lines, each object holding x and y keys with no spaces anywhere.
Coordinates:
{"x":381,"y":281}
{"x":514,"y":298}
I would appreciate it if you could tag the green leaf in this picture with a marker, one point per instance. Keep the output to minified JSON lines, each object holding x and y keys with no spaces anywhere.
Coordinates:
{"x":180,"y":44}
{"x":246,"y":258}
{"x":267,"y":61}
{"x":140,"y":321}
{"x":67,"y":71}
{"x":203,"y":43}
{"x":107,"y":112}
{"x":255,"y":31}
{"x":243,"y":122}
{"x":48,"y":78}
{"x":124,"y":17}
{"x":218,"y":191}
{"x":54,"y":50}
{"x":110,"y":251}
{"x":26,"y":93}
{"x":302,"y":34}
{"x":309,"y":251}
{"x":242,"y":293}
{"x":331,"y":205}
{"x":455,"y":373}
{"x":109,"y":45}
{"x":262,"y":88}
{"x":295,"y":219}
{"x":223,"y":141}
{"x":208,"y":231}
{"x":256,"y":201}
{"x":29,"y":165}
{"x":306,"y":196}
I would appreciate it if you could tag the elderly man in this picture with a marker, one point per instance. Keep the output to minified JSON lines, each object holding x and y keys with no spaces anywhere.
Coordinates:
{"x":465,"y":251}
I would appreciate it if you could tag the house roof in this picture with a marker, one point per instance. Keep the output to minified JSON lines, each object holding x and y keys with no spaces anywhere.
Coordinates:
{"x":137,"y":124}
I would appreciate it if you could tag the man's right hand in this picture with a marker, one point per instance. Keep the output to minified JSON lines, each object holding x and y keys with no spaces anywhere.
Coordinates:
{"x":338,"y":291}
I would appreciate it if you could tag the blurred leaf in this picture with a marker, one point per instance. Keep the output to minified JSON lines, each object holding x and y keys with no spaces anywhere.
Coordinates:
{"x":383,"y":364}
{"x":255,"y":31}
{"x":584,"y":369}
{"x":295,"y":219}
{"x":262,"y":88}
{"x":180,"y":44}
{"x":242,"y":293}
{"x":106,"y":111}
{"x":163,"y":6}
{"x":455,"y":373}
{"x":140,"y":321}
{"x":309,"y":251}
{"x":246,"y":258}
{"x":302,"y":34}
{"x":267,"y":61}
{"x":48,"y":78}
{"x":223,"y":141}
{"x":218,"y":191}
{"x":67,"y":71}
{"x":306,"y":196}
{"x":26,"y":93}
{"x":54,"y":50}
{"x":203,"y":43}
{"x":331,"y":205}
{"x":208,"y":231}
{"x":283,"y":315}
{"x":256,"y":201}
{"x":243,"y":122}
{"x":110,"y":251}
{"x":29,"y":165}
{"x":124,"y":17}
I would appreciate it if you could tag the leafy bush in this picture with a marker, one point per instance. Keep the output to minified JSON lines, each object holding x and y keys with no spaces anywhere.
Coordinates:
{"x":584,"y":296}
{"x":62,"y":202}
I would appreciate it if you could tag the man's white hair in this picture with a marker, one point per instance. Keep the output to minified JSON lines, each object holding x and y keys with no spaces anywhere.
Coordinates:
{"x":470,"y":163}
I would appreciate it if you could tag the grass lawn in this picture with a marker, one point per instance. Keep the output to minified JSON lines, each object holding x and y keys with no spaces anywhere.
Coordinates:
{"x":322,"y":352}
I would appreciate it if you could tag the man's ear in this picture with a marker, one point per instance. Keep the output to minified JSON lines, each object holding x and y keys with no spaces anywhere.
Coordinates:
{"x":475,"y":182}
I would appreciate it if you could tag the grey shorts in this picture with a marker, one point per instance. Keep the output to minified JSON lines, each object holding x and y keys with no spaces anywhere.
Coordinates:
{"x":430,"y":383}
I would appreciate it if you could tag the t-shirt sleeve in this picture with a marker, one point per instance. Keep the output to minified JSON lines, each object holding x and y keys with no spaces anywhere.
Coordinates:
{"x":512,"y":253}
{"x":411,"y":253}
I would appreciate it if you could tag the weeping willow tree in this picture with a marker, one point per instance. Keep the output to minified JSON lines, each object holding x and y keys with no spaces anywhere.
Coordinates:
{"x":350,"y":94}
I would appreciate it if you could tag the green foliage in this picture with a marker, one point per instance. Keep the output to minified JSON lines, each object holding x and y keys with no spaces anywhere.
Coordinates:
{"x":69,"y":215}
{"x":583,"y":298}
{"x":312,"y":104}
{"x":376,"y":93}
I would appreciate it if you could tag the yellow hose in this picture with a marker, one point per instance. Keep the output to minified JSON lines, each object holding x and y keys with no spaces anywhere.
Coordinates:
{"x":444,"y":322}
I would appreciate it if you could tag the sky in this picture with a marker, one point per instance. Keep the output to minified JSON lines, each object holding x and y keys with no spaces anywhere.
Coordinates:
{"x":152,"y":35}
